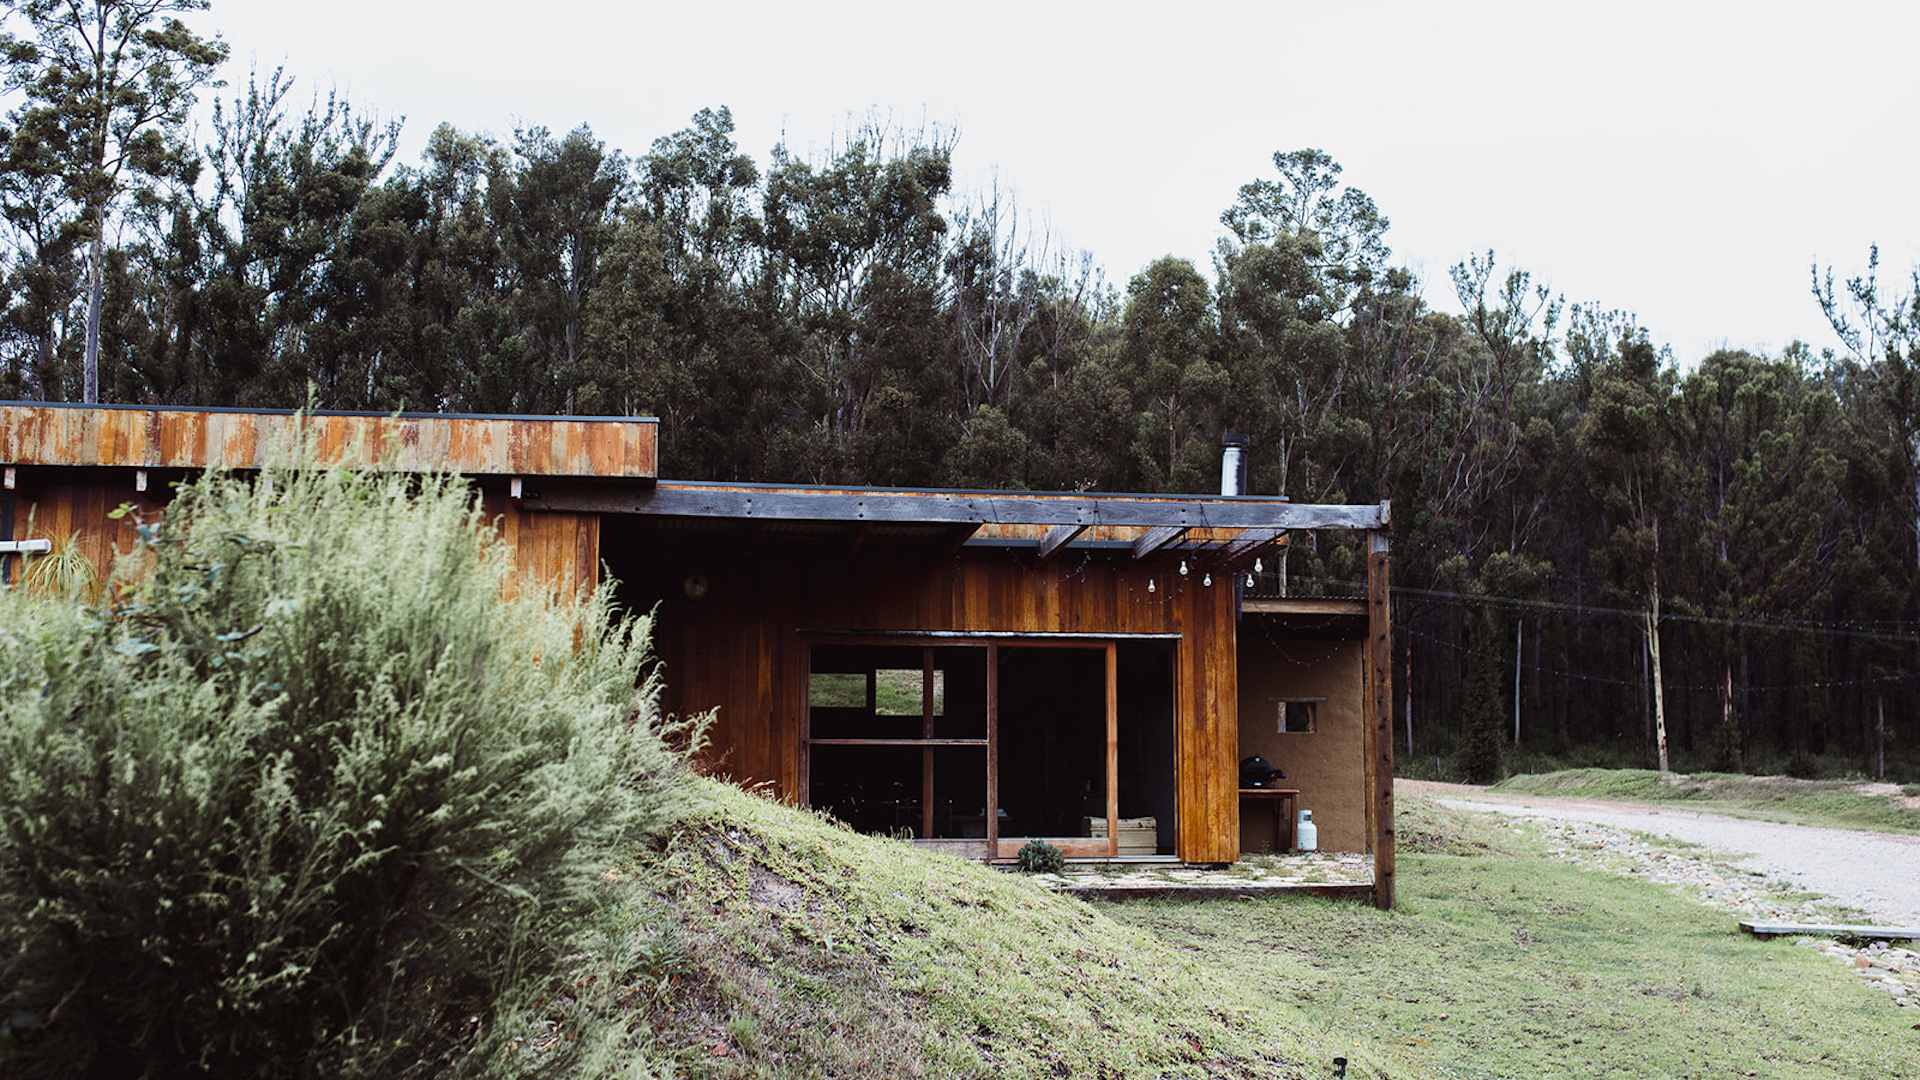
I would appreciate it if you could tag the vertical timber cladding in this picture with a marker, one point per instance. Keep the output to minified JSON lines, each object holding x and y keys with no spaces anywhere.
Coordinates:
{"x":76,"y":463}
{"x":78,"y":508}
{"x":553,"y":549}
{"x":741,"y":648}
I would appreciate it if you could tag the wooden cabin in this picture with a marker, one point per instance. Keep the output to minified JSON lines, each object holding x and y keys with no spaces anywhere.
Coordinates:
{"x":965,"y":669}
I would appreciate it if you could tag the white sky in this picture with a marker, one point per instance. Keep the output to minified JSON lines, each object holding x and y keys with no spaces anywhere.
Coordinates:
{"x":1686,"y":161}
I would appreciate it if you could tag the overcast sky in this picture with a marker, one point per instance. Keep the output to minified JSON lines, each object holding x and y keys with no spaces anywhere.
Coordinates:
{"x":1685,"y":161}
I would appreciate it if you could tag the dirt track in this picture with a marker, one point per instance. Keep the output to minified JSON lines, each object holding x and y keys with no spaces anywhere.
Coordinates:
{"x":1876,"y":872}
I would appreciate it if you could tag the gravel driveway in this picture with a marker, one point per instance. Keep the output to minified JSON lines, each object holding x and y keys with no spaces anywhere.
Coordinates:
{"x":1876,"y":872}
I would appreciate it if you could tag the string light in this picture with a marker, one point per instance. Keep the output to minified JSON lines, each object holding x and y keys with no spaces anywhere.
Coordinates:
{"x":1207,"y":580}
{"x":1183,"y":568}
{"x":1150,"y":585}
{"x":1249,"y":581}
{"x":1257,"y":568}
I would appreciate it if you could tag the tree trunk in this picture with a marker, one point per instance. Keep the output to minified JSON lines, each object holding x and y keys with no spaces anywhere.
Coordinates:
{"x":1519,"y":652}
{"x":1880,"y":739}
{"x":1646,"y":700}
{"x":1659,"y":693}
{"x":1726,"y":719}
{"x":96,"y":288}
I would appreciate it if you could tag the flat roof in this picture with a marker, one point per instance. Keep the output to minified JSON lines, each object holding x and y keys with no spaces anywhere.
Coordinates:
{"x":143,"y":436}
{"x":1080,"y":510}
{"x":403,"y":414}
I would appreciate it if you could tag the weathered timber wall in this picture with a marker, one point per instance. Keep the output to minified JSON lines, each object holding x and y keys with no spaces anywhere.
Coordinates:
{"x":554,"y":550}
{"x":739,"y":648}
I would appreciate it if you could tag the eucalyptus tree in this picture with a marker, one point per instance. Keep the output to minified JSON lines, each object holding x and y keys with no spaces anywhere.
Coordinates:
{"x":855,"y":244}
{"x":554,"y":211}
{"x":685,"y":304}
{"x":1308,"y":201}
{"x":276,"y":230}
{"x":1178,"y":387}
{"x":1626,"y":438}
{"x":1302,"y":250}
{"x":1880,"y":332}
{"x":42,"y":267}
{"x":109,"y":87}
{"x":995,"y":293}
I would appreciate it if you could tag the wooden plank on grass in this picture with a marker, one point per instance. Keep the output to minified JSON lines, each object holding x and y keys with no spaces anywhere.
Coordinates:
{"x":1832,"y":930}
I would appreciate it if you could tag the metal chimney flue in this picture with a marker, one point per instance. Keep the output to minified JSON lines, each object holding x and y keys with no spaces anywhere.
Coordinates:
{"x":1233,"y":464}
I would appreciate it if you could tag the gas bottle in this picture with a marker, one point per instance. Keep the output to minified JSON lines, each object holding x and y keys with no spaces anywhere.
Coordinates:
{"x":1306,"y":835}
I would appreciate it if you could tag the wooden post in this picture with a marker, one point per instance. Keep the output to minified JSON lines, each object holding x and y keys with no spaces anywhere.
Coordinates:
{"x":1113,"y":750}
{"x":1380,"y":709}
{"x":926,"y":732}
{"x":993,"y":751}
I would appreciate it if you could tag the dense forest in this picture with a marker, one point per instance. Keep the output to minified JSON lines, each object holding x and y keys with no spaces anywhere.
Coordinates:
{"x":1592,"y":535}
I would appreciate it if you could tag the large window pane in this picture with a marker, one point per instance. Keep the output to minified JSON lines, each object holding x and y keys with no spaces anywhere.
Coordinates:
{"x":880,"y":789}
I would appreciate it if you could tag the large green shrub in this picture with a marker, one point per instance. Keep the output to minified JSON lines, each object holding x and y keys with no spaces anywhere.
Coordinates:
{"x":312,"y":798}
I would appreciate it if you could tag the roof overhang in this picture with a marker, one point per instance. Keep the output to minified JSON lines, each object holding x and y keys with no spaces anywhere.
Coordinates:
{"x":1231,"y":528}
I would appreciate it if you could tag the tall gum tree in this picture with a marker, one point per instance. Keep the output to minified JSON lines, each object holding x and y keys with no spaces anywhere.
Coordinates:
{"x":109,"y":84}
{"x":1626,"y":436}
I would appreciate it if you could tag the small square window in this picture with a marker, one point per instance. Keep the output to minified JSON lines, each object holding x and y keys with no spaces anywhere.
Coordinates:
{"x":1297,"y":717}
{"x":896,"y":692}
{"x":837,"y":691}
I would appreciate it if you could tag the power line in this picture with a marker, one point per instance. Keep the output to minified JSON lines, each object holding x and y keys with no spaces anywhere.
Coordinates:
{"x":1829,"y":629}
{"x":1817,"y":684}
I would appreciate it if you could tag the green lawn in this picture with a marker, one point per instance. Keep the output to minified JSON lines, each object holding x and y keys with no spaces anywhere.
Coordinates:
{"x":1501,"y":962}
{"x":1835,"y":803}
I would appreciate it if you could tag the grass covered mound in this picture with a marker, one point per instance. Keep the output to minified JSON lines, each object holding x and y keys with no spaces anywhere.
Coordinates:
{"x":777,"y":943}
{"x":1838,"y":803}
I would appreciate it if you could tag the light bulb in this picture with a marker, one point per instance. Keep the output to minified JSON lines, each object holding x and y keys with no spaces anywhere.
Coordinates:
{"x":1150,"y":585}
{"x":1183,"y":568}
{"x":1207,"y":580}
{"x":1249,"y":581}
{"x":1257,"y":568}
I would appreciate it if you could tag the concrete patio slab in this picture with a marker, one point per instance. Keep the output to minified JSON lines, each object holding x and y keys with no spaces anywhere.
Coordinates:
{"x":1343,"y":875}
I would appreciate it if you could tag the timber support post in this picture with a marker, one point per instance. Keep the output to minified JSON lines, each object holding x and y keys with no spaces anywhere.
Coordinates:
{"x":1379,"y":711}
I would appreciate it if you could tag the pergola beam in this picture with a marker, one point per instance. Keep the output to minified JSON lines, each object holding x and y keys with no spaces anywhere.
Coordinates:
{"x":1247,"y":543}
{"x":1059,"y":537}
{"x":1154,"y":539}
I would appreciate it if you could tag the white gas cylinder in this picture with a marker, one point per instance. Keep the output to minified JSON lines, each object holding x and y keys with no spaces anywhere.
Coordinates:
{"x":1306,"y":836}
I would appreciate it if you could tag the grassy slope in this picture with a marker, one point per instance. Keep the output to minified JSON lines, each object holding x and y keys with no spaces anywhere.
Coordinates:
{"x":1774,"y":798}
{"x":1502,"y":963}
{"x":765,"y":941}
{"x":775,"y":943}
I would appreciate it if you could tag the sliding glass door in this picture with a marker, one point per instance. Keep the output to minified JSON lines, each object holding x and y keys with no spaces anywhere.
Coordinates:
{"x":974,"y":744}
